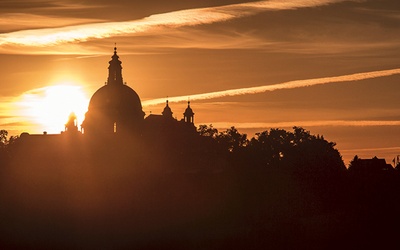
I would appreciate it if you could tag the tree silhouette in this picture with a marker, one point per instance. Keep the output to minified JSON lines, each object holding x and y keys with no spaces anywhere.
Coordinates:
{"x":297,"y":152}
{"x":208,"y":131}
{"x":355,"y":163}
{"x":232,"y":140}
{"x":269,"y":148}
{"x":313,"y":153}
{"x":5,"y":145}
{"x":5,"y":141}
{"x":398,"y":166}
{"x":3,"y":137}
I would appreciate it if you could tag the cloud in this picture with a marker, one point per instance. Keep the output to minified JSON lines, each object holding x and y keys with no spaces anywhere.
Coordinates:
{"x":9,"y":119}
{"x":159,"y":22}
{"x":335,"y":123}
{"x":372,"y":150}
{"x":5,"y":105}
{"x":278,"y":86}
{"x":197,"y":38}
{"x":387,"y":13}
{"x":21,"y":6}
{"x":13,"y":21}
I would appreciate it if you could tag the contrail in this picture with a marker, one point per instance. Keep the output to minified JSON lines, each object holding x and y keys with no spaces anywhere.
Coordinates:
{"x":189,"y":17}
{"x":323,"y":123}
{"x":278,"y":86}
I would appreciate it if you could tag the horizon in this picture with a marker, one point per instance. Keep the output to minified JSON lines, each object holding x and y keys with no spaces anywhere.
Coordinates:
{"x":328,"y":66}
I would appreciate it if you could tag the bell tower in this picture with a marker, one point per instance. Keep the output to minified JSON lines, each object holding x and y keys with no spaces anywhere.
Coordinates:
{"x":115,"y":70}
{"x":71,"y":125}
{"x":188,"y":116}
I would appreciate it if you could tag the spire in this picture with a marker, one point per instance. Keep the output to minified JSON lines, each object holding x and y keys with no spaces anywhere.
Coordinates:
{"x":167,"y":112}
{"x":115,"y":69}
{"x":71,"y":125}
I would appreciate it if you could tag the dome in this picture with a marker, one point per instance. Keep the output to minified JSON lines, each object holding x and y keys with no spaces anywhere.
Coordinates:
{"x":118,"y":99}
{"x":114,"y":107}
{"x":167,"y":112}
{"x":188,"y":111}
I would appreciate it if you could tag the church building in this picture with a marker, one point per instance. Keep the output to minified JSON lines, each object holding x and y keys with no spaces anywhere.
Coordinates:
{"x":116,"y":108}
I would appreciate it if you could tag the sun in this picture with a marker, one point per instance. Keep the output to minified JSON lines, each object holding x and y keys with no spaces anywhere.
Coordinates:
{"x":49,"y":107}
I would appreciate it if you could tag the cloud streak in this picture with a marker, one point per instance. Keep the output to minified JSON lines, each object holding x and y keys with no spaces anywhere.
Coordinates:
{"x":372,"y":150}
{"x":14,"y":21}
{"x":278,"y":86}
{"x":335,"y":123}
{"x":159,"y":22}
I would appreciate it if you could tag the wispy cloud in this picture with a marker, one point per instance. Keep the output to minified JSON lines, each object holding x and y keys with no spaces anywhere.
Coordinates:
{"x":18,"y":21}
{"x":9,"y":118}
{"x":278,"y":86}
{"x":190,"y":17}
{"x":345,"y":123}
{"x":388,"y":13}
{"x":373,"y":150}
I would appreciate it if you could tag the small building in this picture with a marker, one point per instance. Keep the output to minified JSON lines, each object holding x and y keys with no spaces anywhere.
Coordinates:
{"x":370,"y":165}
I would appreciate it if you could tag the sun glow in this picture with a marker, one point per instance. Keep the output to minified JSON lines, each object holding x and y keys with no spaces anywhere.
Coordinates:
{"x":50,"y":107}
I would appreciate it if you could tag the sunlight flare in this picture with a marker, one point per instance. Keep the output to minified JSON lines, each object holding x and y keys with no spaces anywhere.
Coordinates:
{"x":50,"y":106}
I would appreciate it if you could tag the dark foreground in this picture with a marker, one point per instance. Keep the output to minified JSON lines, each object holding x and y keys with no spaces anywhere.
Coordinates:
{"x":94,"y":207}
{"x":77,"y":195}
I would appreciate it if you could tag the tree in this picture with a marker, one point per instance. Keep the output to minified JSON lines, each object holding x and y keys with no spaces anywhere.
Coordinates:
{"x":4,"y":145}
{"x":397,"y":166}
{"x":232,"y":139}
{"x":4,"y":141}
{"x":3,"y":138}
{"x":296,"y":151}
{"x":301,"y":135}
{"x":354,"y":164}
{"x":269,"y":148}
{"x":208,"y":131}
{"x":318,"y":156}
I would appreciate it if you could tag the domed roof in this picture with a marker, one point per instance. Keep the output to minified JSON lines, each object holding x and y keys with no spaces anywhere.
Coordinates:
{"x":167,"y":112}
{"x":116,"y":97}
{"x":188,"y":111}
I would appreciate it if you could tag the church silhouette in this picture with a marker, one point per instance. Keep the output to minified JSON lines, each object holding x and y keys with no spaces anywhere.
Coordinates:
{"x":116,"y":108}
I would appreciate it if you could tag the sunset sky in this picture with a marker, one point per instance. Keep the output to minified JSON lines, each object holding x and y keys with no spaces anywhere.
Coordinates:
{"x":330,"y":66}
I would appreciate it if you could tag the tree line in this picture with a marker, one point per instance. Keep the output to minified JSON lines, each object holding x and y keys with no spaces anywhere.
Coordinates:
{"x":192,"y":189}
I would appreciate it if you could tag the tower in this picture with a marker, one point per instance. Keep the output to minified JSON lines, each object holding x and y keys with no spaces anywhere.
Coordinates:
{"x":188,"y":116}
{"x":115,"y":107}
{"x":115,"y":69}
{"x":167,"y":112}
{"x":71,"y":126}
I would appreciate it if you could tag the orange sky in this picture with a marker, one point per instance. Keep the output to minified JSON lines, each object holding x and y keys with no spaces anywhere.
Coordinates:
{"x":253,"y":65}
